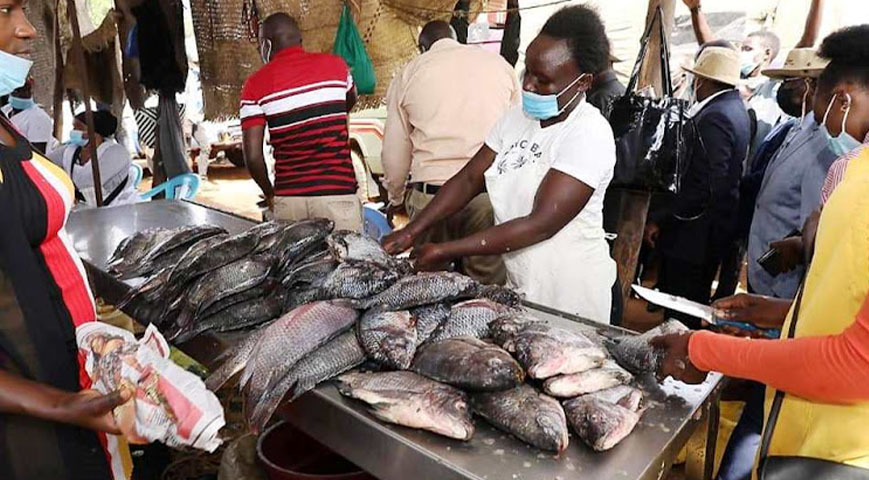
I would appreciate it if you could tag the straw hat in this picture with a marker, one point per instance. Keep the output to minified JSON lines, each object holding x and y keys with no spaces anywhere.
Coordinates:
{"x":800,"y":62}
{"x":717,"y":63}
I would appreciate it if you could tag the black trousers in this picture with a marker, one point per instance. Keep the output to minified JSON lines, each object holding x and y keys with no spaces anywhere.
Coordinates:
{"x":686,"y":279}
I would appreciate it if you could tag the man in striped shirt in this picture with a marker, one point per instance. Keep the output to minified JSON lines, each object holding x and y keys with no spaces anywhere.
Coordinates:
{"x":304,"y":99}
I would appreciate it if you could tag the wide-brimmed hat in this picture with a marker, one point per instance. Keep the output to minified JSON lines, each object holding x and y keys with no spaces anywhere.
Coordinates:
{"x":717,"y":63}
{"x":800,"y":62}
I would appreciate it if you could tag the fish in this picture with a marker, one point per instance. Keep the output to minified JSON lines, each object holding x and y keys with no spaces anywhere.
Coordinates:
{"x":268,"y":234}
{"x":469,"y":364}
{"x":149,"y":291}
{"x":313,"y":272}
{"x":624,"y":395}
{"x":469,"y":319}
{"x":503,"y":295}
{"x":347,"y":245}
{"x":300,"y":238}
{"x":266,"y":289}
{"x":389,"y":338}
{"x":227,"y":280}
{"x":550,"y":351}
{"x":133,"y":248}
{"x":218,"y":255}
{"x":421,"y":289}
{"x":411,"y":400}
{"x":634,"y":352}
{"x":359,"y":279}
{"x":608,"y":375}
{"x":167,"y":247}
{"x":503,"y":330}
{"x":246,"y":314}
{"x":234,"y":359}
{"x":527,"y":414}
{"x":296,"y":297}
{"x":334,"y":358}
{"x":428,"y":318}
{"x":290,"y":338}
{"x":599,"y":423}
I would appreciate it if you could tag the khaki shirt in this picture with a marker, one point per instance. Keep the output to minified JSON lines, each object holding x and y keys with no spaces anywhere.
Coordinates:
{"x":439,"y":110}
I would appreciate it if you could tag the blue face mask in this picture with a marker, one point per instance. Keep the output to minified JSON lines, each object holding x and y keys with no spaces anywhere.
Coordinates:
{"x":13,"y":72}
{"x":21,"y":103}
{"x":843,"y":143}
{"x":544,"y":107}
{"x":77,"y":138}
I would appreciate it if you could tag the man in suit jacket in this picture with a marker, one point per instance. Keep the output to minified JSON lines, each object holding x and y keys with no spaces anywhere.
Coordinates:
{"x":698,"y":224}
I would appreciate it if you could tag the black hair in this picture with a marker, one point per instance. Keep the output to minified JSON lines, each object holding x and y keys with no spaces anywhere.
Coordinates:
{"x":585,"y":34}
{"x":848,"y":52}
{"x":105,"y":124}
{"x":769,"y":40}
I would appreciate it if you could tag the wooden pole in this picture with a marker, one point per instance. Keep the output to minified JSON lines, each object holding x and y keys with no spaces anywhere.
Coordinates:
{"x":57,"y":105}
{"x":78,"y":54}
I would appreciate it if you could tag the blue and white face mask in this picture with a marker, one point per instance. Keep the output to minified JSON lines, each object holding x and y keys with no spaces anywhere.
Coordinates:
{"x":844,"y":142}
{"x":544,"y":107}
{"x":13,"y":72}
{"x":21,"y":104}
{"x":77,"y":138}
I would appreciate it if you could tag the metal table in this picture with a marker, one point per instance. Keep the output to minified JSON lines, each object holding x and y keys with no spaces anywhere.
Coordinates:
{"x":675,"y":410}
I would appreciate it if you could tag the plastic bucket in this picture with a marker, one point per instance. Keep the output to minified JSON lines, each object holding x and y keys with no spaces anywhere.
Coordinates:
{"x":288,"y":454}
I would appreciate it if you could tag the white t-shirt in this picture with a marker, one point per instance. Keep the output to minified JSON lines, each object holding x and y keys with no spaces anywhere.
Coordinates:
{"x":582,"y":146}
{"x":36,"y":125}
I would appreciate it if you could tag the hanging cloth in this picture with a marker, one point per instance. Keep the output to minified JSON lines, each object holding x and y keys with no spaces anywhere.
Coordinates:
{"x":349,"y":45}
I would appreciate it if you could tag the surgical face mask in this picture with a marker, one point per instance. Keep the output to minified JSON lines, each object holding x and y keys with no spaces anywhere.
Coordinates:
{"x":18,"y":103}
{"x":844,"y":142}
{"x":266,"y":50}
{"x":77,"y":138}
{"x":749,"y":64}
{"x":13,"y":72}
{"x":544,"y":107}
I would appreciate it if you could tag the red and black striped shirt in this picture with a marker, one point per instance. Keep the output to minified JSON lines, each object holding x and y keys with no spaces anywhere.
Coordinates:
{"x":303,"y":98}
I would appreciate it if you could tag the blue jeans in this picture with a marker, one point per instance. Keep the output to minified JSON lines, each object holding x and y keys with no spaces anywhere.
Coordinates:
{"x":739,"y":456}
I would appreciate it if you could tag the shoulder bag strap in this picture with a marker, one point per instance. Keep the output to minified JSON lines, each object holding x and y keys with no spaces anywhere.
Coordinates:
{"x":644,"y":46}
{"x":664,"y":52}
{"x":779,"y":395}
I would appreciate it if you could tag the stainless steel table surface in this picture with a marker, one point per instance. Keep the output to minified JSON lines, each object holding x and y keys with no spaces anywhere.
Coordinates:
{"x":396,"y":453}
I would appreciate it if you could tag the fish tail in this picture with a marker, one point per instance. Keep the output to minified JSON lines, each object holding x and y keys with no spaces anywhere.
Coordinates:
{"x":264,"y":410}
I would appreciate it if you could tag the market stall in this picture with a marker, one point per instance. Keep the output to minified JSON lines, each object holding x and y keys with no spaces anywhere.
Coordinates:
{"x":674,"y":410}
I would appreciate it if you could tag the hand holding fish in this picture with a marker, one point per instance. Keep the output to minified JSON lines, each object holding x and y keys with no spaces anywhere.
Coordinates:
{"x":399,"y":241}
{"x":430,"y":257}
{"x":764,"y":312}
{"x":674,"y":358}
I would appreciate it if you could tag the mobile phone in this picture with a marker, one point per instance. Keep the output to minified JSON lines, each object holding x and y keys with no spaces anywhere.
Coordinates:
{"x":771,"y":262}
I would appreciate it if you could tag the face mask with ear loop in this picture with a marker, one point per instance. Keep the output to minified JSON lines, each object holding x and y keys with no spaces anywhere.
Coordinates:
{"x":844,"y":142}
{"x":266,"y":52}
{"x":544,"y":107}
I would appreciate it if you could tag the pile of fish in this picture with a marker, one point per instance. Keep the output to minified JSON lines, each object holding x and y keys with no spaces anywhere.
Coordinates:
{"x":436,"y":348}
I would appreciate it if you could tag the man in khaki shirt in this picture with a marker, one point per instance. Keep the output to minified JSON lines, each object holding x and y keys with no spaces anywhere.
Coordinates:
{"x":439,"y":111}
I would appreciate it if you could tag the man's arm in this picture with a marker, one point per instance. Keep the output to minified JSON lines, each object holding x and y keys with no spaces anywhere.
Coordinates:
{"x":252,"y":145}
{"x":698,"y":20}
{"x":352,"y":96}
{"x":396,"y":155}
{"x":813,"y":25}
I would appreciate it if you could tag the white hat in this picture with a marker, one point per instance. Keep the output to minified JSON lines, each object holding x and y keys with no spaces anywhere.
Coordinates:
{"x":800,"y":62}
{"x":717,"y":63}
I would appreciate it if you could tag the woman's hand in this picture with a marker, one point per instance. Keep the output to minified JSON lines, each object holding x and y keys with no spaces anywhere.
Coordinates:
{"x":91,"y":409}
{"x":430,"y":257}
{"x":765,"y":312}
{"x":674,"y":360}
{"x":398,"y":241}
{"x":791,"y":253}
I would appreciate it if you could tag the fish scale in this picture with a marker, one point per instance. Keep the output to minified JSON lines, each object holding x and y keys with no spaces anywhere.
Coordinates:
{"x":422,"y":289}
{"x":334,"y":358}
{"x":600,"y":424}
{"x":358,"y":280}
{"x":608,"y":375}
{"x":428,"y":318}
{"x":389,"y":338}
{"x":547,"y":351}
{"x":290,"y":338}
{"x":234,"y":360}
{"x":634,"y":351}
{"x":235,"y":317}
{"x":347,"y":245}
{"x":469,"y":364}
{"x":527,"y":414}
{"x":219,"y":255}
{"x":469,"y":319}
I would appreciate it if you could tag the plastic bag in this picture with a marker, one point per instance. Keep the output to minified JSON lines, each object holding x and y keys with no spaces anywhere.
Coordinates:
{"x":349,"y":45}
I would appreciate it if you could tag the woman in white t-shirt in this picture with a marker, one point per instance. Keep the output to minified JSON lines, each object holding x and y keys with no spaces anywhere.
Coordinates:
{"x":546,"y":166}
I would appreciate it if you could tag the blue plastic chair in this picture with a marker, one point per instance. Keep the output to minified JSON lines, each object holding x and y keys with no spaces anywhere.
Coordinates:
{"x":376,"y":226}
{"x":182,"y":187}
{"x":136,"y":175}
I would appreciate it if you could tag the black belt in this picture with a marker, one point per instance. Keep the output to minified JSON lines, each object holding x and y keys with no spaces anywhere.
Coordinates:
{"x":426,"y":188}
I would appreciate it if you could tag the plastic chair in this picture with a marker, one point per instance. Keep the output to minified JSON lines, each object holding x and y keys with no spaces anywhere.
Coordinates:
{"x":183,"y":187}
{"x":136,"y":175}
{"x":376,"y":226}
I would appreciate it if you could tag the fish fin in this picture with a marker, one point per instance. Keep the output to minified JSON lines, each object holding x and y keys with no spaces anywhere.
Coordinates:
{"x":264,"y":410}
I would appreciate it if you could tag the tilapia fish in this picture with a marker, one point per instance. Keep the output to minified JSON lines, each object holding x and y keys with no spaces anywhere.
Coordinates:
{"x":608,"y":375}
{"x":300,"y":238}
{"x":219,"y":254}
{"x":504,"y":329}
{"x":290,"y":338}
{"x":411,"y":400}
{"x":428,"y":318}
{"x":549,"y":351}
{"x":266,"y":289}
{"x":133,"y":248}
{"x":235,"y":317}
{"x":296,"y":297}
{"x":358,"y":280}
{"x":225,"y":281}
{"x":181,"y":237}
{"x":268,"y":234}
{"x":334,"y":358}
{"x":529,"y":415}
{"x":166,"y":248}
{"x":422,"y":289}
{"x":469,"y":319}
{"x":502,"y":295}
{"x":389,"y":338}
{"x":312,"y":273}
{"x":599,"y":423}
{"x":624,"y":395}
{"x":636,"y":354}
{"x":346,"y":246}
{"x":234,"y":360}
{"x":469,"y":364}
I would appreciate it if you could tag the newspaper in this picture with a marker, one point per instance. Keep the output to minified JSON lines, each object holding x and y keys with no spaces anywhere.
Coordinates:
{"x":169,"y":404}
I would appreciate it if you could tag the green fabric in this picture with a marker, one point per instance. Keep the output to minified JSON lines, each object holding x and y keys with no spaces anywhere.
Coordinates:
{"x":349,"y":45}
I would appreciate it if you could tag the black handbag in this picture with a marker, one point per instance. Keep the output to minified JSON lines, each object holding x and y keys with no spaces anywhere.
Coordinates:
{"x":650,"y":133}
{"x":793,"y":467}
